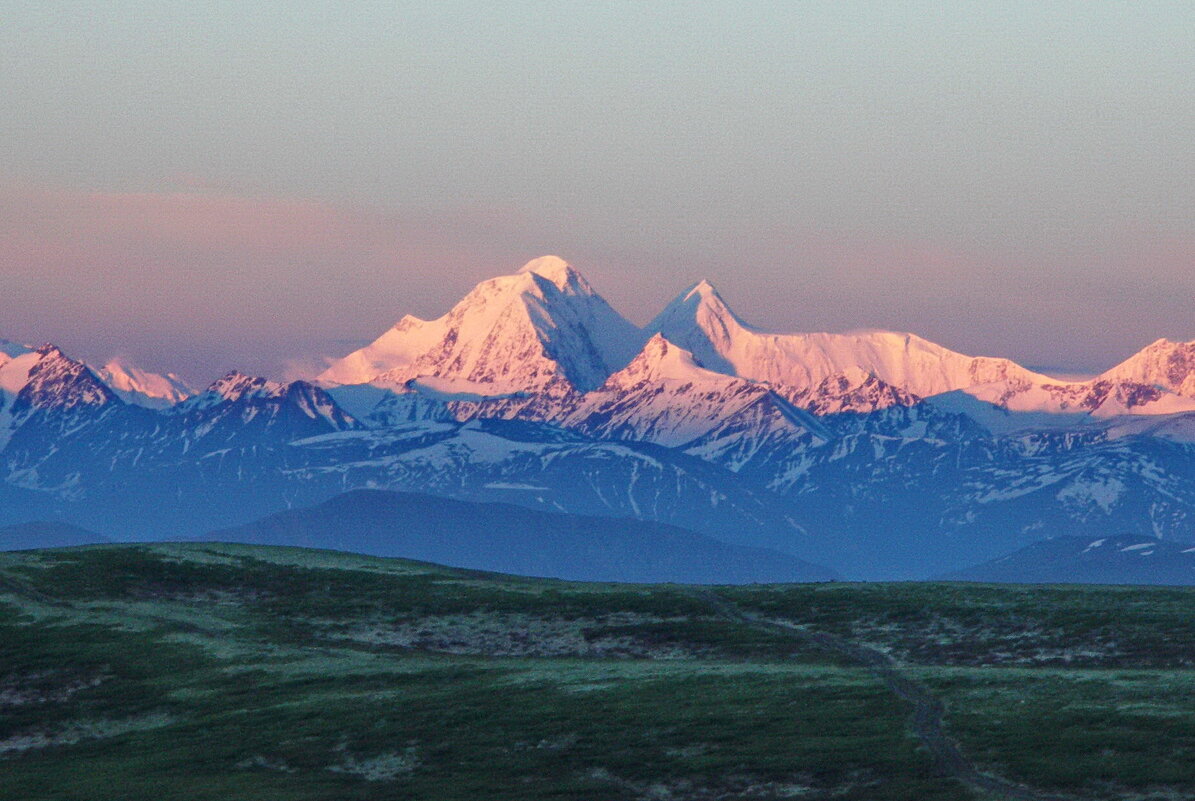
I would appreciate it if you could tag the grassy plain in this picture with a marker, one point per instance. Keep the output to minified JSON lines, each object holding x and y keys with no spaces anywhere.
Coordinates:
{"x":234,"y":672}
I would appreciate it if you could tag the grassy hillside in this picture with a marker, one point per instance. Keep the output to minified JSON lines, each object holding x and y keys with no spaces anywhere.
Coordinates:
{"x":242,"y":672}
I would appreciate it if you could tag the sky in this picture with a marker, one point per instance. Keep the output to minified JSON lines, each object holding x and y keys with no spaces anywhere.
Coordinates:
{"x":212,"y":185}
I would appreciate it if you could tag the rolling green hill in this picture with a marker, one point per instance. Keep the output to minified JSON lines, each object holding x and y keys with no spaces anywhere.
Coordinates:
{"x":210,"y":671}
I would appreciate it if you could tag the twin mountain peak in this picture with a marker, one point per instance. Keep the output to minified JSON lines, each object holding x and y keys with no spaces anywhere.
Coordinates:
{"x":543,"y":343}
{"x":545,"y":331}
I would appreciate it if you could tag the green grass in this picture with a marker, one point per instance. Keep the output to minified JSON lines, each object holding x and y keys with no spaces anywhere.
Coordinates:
{"x":978,"y":624}
{"x":1105,"y":733}
{"x":233,"y":672}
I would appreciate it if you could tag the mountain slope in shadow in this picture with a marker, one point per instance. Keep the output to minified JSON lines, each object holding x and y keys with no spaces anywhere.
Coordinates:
{"x":41,"y":534}
{"x":1124,"y":559}
{"x":513,"y":539}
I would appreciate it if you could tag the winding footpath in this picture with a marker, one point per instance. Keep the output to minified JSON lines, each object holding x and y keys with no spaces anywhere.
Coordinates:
{"x":928,"y":710}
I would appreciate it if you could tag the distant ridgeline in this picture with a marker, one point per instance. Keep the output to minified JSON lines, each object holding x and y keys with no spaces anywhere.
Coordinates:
{"x":876,"y":454}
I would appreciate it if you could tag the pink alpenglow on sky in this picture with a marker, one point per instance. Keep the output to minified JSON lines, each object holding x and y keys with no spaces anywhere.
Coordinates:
{"x":206,"y":187}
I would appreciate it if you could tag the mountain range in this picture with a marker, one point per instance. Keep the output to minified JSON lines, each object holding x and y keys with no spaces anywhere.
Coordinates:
{"x":512,"y":539}
{"x":1082,"y":560}
{"x":878,"y":454}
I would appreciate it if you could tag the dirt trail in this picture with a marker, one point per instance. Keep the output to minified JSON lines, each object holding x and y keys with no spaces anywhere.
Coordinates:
{"x":928,"y":710}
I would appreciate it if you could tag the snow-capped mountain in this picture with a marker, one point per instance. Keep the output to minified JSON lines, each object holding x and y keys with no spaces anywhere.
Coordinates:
{"x":144,"y":388}
{"x":44,"y":397}
{"x":543,"y":329}
{"x":821,"y":370}
{"x":235,"y":385}
{"x":46,"y":379}
{"x":852,"y":390}
{"x":237,"y":404}
{"x":663,"y":396}
{"x":866,"y":371}
{"x":879,"y":454}
{"x":1163,"y":364}
{"x":400,"y":345}
{"x":902,"y":505}
{"x":544,"y":335}
{"x":130,"y":383}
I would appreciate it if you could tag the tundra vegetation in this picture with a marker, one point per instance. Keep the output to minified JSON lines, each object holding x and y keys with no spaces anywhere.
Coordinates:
{"x":211,"y":671}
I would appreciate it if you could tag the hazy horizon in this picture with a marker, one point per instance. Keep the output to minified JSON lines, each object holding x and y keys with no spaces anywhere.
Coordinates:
{"x":216,"y":186}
